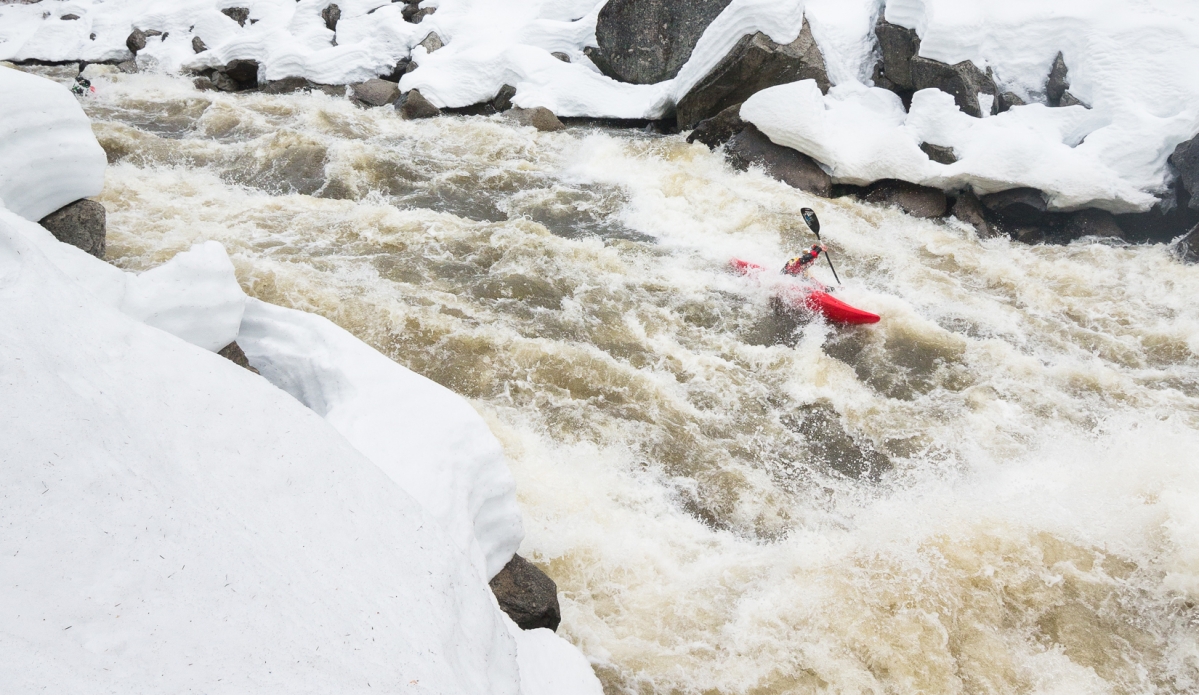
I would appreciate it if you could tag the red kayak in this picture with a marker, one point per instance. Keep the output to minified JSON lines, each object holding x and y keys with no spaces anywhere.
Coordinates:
{"x":812,"y":299}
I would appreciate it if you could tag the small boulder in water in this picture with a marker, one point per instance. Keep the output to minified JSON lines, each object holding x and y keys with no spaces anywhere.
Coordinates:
{"x":751,"y":147}
{"x":81,"y":224}
{"x":719,"y":129}
{"x":1021,"y":206}
{"x":539,"y":117}
{"x":503,"y":99}
{"x":243,"y":72}
{"x":969,"y":209}
{"x":414,"y":105}
{"x":1187,"y":248}
{"x":917,"y":201}
{"x":1092,"y":223}
{"x":527,"y":595}
{"x":375,"y":92}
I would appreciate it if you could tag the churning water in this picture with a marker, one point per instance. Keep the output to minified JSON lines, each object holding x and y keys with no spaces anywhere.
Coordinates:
{"x":995,"y":489}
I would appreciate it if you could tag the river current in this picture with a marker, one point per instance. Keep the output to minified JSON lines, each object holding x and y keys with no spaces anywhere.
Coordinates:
{"x":994,"y":490}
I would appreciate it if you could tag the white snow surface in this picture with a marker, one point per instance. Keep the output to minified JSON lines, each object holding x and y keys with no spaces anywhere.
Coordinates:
{"x":48,"y":155}
{"x":422,"y":435}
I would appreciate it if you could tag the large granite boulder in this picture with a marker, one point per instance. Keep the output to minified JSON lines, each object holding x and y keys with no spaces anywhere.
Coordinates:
{"x":539,"y":117}
{"x":719,"y":129}
{"x":969,"y":209}
{"x":751,"y":147}
{"x":1185,"y":161}
{"x":527,"y":595}
{"x":1018,"y":206}
{"x":414,"y":105}
{"x":755,"y":63}
{"x":648,"y":41}
{"x":375,"y":92}
{"x":83,"y":224}
{"x":917,"y":201}
{"x":897,"y":46}
{"x":242,"y":72}
{"x":964,"y":81}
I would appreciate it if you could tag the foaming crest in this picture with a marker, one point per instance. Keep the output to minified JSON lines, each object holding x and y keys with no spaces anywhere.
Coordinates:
{"x":989,"y":491}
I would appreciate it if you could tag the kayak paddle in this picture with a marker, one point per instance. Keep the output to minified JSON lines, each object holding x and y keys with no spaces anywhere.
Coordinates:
{"x":809,"y":216}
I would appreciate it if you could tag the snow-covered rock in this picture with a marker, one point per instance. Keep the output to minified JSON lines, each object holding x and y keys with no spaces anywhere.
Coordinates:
{"x":48,"y":155}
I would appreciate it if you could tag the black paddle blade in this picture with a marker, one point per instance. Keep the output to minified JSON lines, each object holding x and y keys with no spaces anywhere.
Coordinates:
{"x":809,"y":216}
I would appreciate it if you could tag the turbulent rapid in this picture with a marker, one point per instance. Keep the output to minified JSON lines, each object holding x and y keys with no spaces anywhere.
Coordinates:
{"x":992,"y":490}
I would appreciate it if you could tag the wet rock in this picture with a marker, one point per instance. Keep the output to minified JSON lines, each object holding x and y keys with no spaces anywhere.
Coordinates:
{"x":237,"y":14}
{"x":917,"y":201}
{"x":753,"y":64}
{"x":127,"y":66}
{"x":539,"y":117}
{"x":81,"y":224}
{"x":1059,"y":81}
{"x":375,"y":92}
{"x":236,"y":355}
{"x":969,"y":209}
{"x":1018,"y":206}
{"x":331,"y":14}
{"x":527,"y":595}
{"x":939,"y":154}
{"x":719,"y":129}
{"x":204,"y":83}
{"x":414,"y":105}
{"x":964,"y":81}
{"x":503,"y":99}
{"x":1092,"y":223}
{"x":287,"y":85}
{"x":243,"y":72}
{"x":1172,"y":217}
{"x":898,"y":45}
{"x":1187,"y":248}
{"x":432,"y":42}
{"x":1007,"y":100}
{"x":648,"y":41}
{"x":198,"y":45}
{"x":561,"y":56}
{"x":136,"y":41}
{"x":1185,"y":162}
{"x":751,"y":147}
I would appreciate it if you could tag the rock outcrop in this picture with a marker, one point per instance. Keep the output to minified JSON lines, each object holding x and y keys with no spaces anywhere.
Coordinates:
{"x":964,"y":81}
{"x":1187,"y":249}
{"x":414,"y":105}
{"x":917,"y":201}
{"x":237,"y":14}
{"x":751,"y":147}
{"x":755,"y":63}
{"x":897,"y":46}
{"x":648,"y":41}
{"x":243,"y":72}
{"x":503,"y":99}
{"x":969,"y":209}
{"x":331,"y":14}
{"x":1059,"y":81}
{"x":719,"y":129}
{"x":1018,"y":206}
{"x":939,"y":154}
{"x":1185,"y":162}
{"x":1092,"y":223}
{"x":527,"y":595}
{"x":539,"y":117}
{"x":376,"y":92}
{"x":83,"y":224}
{"x":236,"y":355}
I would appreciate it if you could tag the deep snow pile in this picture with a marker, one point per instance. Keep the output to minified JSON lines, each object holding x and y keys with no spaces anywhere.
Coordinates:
{"x":304,"y":564}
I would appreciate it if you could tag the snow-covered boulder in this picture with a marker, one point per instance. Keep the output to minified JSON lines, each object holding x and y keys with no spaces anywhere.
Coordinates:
{"x":48,"y":154}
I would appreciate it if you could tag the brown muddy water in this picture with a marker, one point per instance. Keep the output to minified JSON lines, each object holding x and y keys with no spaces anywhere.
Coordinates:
{"x":994,"y":490}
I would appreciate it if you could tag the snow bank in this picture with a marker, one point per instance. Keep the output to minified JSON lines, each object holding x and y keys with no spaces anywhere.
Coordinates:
{"x":48,"y":155}
{"x":423,"y":436}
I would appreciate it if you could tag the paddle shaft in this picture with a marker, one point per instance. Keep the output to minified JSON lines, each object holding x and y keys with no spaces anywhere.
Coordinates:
{"x":829,"y":259}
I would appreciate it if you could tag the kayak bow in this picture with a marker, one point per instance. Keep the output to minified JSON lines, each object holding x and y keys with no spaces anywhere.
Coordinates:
{"x":814,"y":300}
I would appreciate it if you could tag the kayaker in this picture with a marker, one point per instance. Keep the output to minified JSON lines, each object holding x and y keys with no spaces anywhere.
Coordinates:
{"x":803,"y":262}
{"x":82,"y":86}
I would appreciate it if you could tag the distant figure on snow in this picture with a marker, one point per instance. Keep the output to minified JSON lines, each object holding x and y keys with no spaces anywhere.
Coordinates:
{"x":802,"y":263}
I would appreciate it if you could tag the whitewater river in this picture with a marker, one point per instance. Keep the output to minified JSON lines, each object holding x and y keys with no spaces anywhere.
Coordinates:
{"x":995,"y":489}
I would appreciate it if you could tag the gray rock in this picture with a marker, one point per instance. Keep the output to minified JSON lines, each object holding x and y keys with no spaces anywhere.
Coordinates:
{"x":204,"y":84}
{"x":503,"y":99}
{"x":287,"y":85}
{"x":421,"y":14}
{"x":331,"y":14}
{"x":398,"y":71}
{"x":964,"y":81}
{"x":917,"y":201}
{"x":136,"y":41}
{"x":539,"y":117}
{"x":1187,"y":248}
{"x":561,"y":56}
{"x":969,"y":209}
{"x":1007,"y":100}
{"x":69,"y":17}
{"x":243,"y":72}
{"x":1059,"y":80}
{"x":198,"y":45}
{"x":719,"y":129}
{"x":753,"y":64}
{"x":128,"y":66}
{"x":237,"y":14}
{"x":751,"y":147}
{"x":376,"y":92}
{"x":527,"y":595}
{"x":414,"y":105}
{"x":648,"y":41}
{"x":236,"y":355}
{"x":1069,"y":99}
{"x":223,"y":82}
{"x":410,"y":11}
{"x":1021,"y":206}
{"x":898,"y":45}
{"x":81,"y":224}
{"x":432,"y":42}
{"x":939,"y":154}
{"x":1096,"y":223}
{"x":1185,"y":162}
